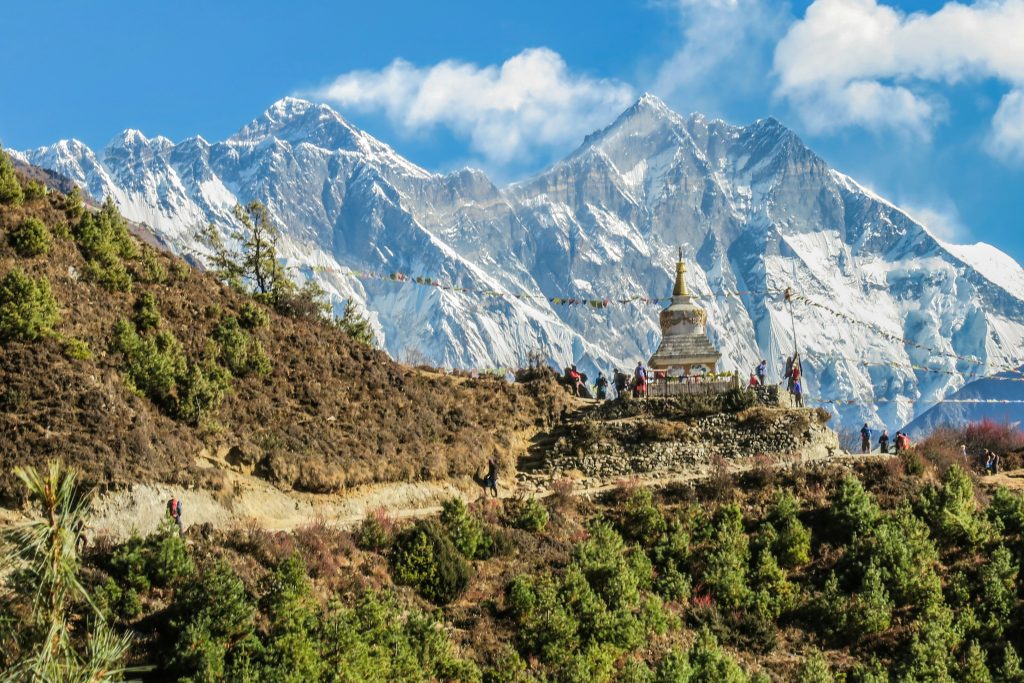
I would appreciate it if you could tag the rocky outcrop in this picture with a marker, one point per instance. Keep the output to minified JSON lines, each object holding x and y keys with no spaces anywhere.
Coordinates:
{"x":657,"y":441}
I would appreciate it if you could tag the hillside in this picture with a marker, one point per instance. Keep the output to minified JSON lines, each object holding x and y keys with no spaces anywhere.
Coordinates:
{"x":890,"y":319}
{"x":881,"y":570}
{"x":997,"y":398}
{"x":324,"y":412}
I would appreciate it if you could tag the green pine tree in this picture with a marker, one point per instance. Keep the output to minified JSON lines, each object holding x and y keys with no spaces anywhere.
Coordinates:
{"x":10,"y":188}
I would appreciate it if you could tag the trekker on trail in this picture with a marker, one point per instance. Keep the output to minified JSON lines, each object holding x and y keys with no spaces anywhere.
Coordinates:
{"x":174,"y":510}
{"x":762,"y":372}
{"x":865,"y":439}
{"x":883,"y":442}
{"x":798,"y":394}
{"x":621,"y":380}
{"x":898,"y":442}
{"x":789,"y":374}
{"x":963,"y":454}
{"x":602,"y":386}
{"x":491,"y":480}
{"x":640,"y":379}
{"x":574,"y":380}
{"x":992,"y":463}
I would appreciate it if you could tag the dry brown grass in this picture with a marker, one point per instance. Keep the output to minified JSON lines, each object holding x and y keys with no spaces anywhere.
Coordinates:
{"x":331,"y":414}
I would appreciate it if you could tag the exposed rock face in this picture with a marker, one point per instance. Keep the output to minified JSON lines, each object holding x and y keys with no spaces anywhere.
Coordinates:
{"x":754,"y":209}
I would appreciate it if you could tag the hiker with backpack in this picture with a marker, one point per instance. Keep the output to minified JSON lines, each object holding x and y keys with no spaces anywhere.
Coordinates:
{"x":865,"y":439}
{"x":883,"y":442}
{"x":762,"y":372}
{"x":174,"y":510}
{"x":602,"y":386}
{"x":621,"y":381}
{"x":491,"y":480}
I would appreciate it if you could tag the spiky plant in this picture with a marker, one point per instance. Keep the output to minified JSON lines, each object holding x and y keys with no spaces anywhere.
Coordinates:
{"x":43,"y":561}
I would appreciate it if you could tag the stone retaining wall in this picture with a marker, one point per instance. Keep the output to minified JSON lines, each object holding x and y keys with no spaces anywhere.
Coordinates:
{"x":644,"y":445}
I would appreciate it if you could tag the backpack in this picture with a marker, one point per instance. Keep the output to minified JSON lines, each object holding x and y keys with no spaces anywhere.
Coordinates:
{"x":174,"y":507}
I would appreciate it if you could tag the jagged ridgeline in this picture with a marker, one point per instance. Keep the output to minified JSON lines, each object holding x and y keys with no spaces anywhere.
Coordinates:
{"x":128,"y":364}
{"x":754,"y":208}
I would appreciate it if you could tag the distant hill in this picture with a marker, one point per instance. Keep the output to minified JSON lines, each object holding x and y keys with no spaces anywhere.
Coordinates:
{"x":950,"y":413}
{"x":328,"y":413}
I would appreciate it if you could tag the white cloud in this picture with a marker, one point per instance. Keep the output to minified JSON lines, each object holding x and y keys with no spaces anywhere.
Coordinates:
{"x":1007,"y":138}
{"x":858,"y":62}
{"x":942,"y":218}
{"x":724,"y":54}
{"x":507,"y":113}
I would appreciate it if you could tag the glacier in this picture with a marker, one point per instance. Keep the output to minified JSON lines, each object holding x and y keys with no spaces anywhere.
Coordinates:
{"x":754,"y":209}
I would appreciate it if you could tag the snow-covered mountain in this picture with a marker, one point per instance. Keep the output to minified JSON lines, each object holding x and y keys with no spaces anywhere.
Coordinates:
{"x":999,"y":398}
{"x":753,"y":208}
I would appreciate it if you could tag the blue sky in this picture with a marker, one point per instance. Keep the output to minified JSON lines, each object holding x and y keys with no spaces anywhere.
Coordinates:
{"x":921,"y":101}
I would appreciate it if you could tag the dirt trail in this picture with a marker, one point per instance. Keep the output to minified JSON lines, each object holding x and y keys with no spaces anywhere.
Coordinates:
{"x":251,"y":501}
{"x":1011,"y":479}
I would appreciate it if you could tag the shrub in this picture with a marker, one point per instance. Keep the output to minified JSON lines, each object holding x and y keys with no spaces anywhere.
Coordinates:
{"x":1007,"y":509}
{"x":998,"y":437}
{"x":152,"y":364}
{"x":74,"y":208}
{"x":240,"y":352}
{"x":113,"y":277}
{"x":104,"y":241}
{"x":424,"y":557}
{"x":814,"y":669}
{"x":792,"y":544}
{"x":147,"y":316}
{"x":291,"y":649}
{"x":974,"y":669}
{"x":30,"y":238}
{"x":150,"y":269}
{"x":725,"y":567}
{"x":10,"y":189}
{"x":635,"y":671}
{"x":616,"y":575}
{"x":159,"y":560}
{"x":905,"y":556}
{"x":871,"y":608}
{"x":28,"y":310}
{"x":34,"y":190}
{"x":464,"y":530}
{"x":211,"y":621}
{"x":381,"y":639}
{"x":253,"y":316}
{"x":998,"y":591}
{"x":642,"y":521}
{"x":375,"y":532}
{"x":355,"y":325}
{"x":854,"y":510}
{"x":1010,"y":670}
{"x":77,"y":349}
{"x":709,"y":664}
{"x":673,"y":584}
{"x":528,"y":514}
{"x":674,"y":667}
{"x":929,"y":655}
{"x":200,"y":392}
{"x":773,"y":593}
{"x":952,"y":510}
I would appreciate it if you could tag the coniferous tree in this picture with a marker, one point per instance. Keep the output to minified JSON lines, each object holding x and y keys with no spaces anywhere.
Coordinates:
{"x":10,"y":188}
{"x":43,"y":554}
